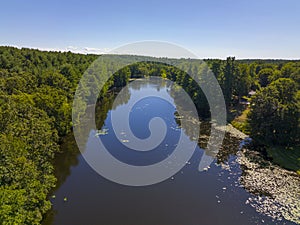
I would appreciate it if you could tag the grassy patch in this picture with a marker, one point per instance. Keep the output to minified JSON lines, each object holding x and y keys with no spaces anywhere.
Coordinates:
{"x":288,"y":158}
{"x":240,"y":122}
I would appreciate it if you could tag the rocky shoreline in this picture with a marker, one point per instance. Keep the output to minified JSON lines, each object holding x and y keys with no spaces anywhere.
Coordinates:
{"x":276,"y":190}
{"x":235,"y":132}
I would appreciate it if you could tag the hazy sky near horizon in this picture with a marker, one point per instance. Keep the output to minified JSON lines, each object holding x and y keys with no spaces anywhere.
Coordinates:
{"x":210,"y":28}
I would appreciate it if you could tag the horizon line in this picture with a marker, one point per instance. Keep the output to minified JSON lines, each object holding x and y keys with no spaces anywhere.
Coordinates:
{"x":104,"y":51}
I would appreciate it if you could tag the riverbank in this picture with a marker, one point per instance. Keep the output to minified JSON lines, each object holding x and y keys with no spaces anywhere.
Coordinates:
{"x":275,"y":190}
{"x":240,"y":121}
{"x":234,"y":132}
{"x":287,"y":158}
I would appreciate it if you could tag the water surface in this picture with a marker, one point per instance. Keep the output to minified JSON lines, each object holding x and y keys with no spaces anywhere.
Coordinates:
{"x":214,"y":197}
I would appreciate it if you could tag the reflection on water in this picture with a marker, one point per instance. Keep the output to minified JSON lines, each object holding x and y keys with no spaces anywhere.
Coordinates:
{"x":189,"y":197}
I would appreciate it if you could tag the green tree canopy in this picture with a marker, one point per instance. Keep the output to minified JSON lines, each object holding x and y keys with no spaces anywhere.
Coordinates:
{"x":274,"y":113}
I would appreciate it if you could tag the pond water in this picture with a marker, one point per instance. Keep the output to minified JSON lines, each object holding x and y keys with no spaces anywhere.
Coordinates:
{"x":215,"y":196}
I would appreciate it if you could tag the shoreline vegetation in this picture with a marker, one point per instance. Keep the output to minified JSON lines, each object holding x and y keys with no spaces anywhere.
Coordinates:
{"x":285,"y":157}
{"x":36,"y":94}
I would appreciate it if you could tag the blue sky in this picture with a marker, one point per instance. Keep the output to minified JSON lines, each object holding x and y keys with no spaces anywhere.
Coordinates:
{"x":211,"y":28}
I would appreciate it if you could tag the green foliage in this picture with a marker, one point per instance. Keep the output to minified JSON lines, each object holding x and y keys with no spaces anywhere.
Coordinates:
{"x":236,"y":79}
{"x":241,"y":122}
{"x":274,"y":114}
{"x":264,"y":76}
{"x":36,"y":91}
{"x":230,"y":73}
{"x":35,"y":101}
{"x":286,"y":157}
{"x":27,"y":144}
{"x":56,"y":104}
{"x":121,"y":77}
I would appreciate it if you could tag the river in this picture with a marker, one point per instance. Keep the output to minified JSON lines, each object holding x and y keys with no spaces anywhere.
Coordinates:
{"x":215,"y":196}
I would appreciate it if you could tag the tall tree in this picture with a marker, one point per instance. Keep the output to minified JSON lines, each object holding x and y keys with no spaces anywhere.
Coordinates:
{"x":230,"y":72}
{"x":274,"y":114}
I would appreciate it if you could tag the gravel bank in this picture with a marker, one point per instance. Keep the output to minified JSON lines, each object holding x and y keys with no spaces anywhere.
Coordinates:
{"x":276,"y":190}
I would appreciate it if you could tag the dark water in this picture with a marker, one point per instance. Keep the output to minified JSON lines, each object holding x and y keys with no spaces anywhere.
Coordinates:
{"x":214,"y":197}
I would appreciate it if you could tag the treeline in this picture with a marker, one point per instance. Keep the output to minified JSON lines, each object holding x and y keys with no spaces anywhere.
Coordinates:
{"x":36,"y":90}
{"x":36,"y":95}
{"x":273,"y":86}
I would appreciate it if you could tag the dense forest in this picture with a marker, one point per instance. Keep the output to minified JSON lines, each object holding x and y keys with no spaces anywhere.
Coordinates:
{"x":36,"y":94}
